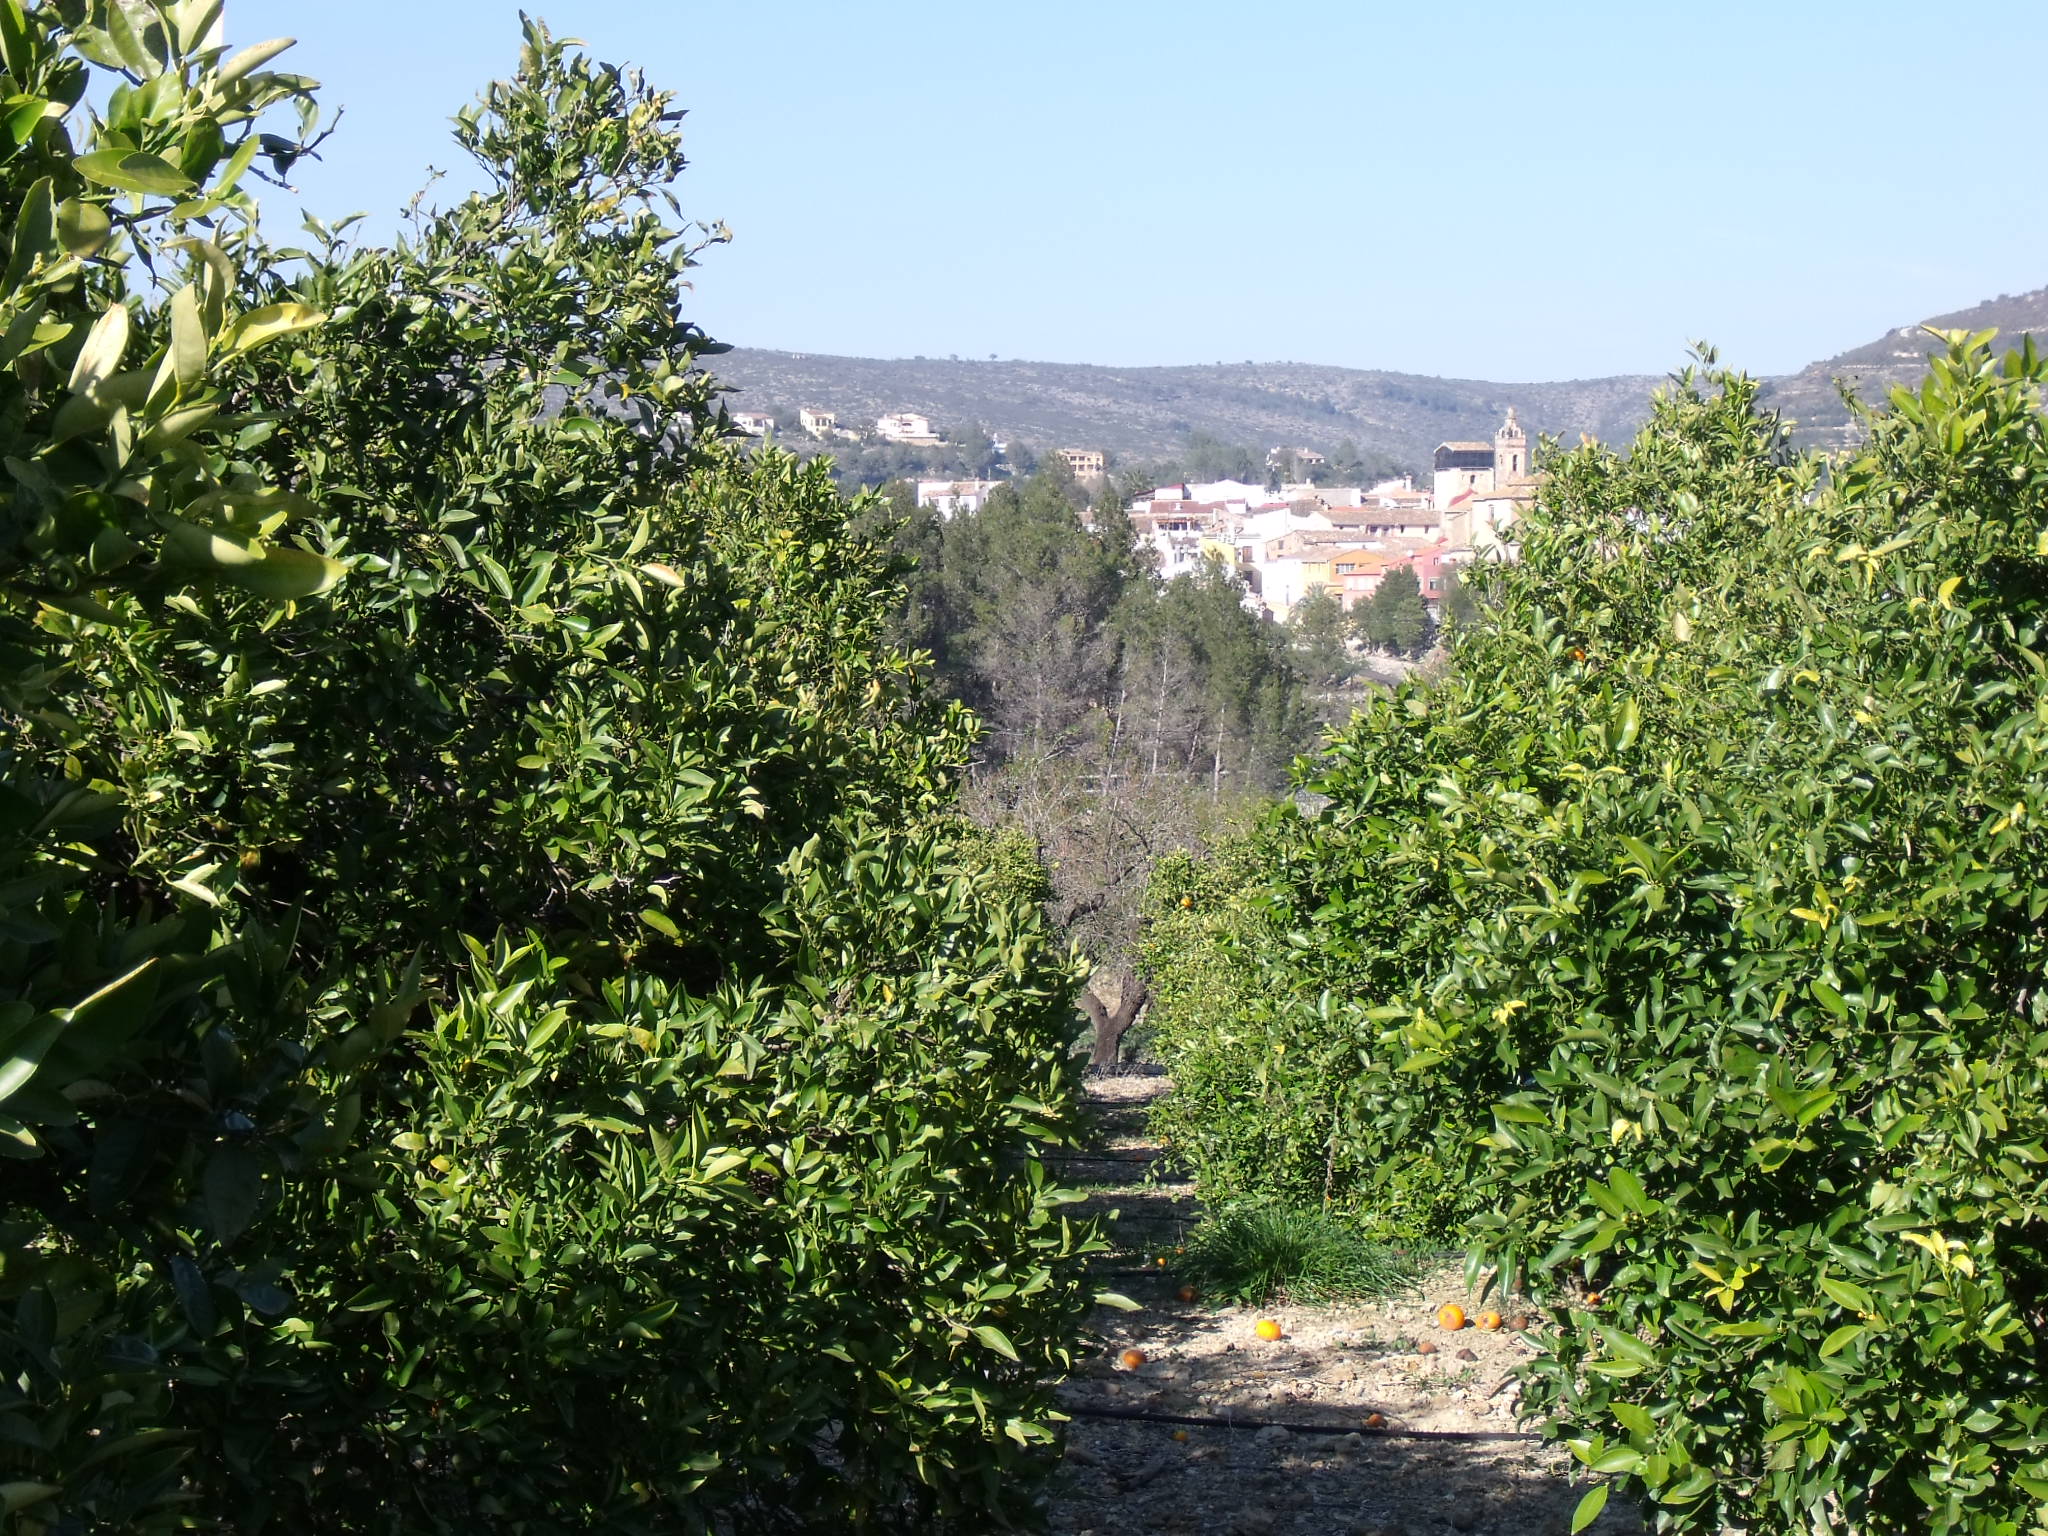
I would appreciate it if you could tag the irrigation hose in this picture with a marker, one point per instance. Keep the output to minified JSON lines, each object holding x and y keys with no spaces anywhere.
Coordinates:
{"x":1195,"y":1421}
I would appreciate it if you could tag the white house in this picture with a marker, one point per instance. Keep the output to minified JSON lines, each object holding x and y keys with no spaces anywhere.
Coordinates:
{"x":908,"y":428}
{"x":954,"y":496}
{"x":753,"y":423}
{"x":1228,"y":490}
{"x":817,"y":423}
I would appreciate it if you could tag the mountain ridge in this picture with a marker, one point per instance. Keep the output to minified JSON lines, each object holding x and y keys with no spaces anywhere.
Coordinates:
{"x":1898,"y":358}
{"x":1147,"y":414}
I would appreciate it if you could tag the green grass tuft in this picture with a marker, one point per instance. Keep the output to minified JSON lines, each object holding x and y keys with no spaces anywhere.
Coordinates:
{"x":1259,"y":1253}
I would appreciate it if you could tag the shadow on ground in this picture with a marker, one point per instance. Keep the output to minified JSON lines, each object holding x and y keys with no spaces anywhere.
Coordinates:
{"x":1343,"y":1479}
{"x":1135,"y":1478}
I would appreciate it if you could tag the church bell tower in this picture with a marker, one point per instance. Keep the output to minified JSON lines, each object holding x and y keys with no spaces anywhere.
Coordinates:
{"x":1510,"y":453}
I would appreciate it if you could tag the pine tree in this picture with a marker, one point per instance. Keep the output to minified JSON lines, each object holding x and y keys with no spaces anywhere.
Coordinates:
{"x":1395,"y":618}
{"x":1316,"y":629}
{"x":1404,"y":616}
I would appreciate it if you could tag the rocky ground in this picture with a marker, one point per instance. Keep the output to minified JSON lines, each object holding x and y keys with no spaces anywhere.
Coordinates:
{"x":1393,"y":1441}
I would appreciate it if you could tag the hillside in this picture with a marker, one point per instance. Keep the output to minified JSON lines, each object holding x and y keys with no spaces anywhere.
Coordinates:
{"x":1146,"y":414}
{"x":1810,"y":398}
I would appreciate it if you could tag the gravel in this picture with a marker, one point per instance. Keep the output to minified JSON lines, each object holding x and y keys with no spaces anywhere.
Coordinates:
{"x":1333,"y":1368}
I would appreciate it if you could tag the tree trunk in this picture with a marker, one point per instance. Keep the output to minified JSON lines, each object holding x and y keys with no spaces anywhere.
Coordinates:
{"x":1110,"y":1025}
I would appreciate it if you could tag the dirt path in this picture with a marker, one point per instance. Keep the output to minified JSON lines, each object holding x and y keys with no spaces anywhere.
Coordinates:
{"x":1335,"y":1366}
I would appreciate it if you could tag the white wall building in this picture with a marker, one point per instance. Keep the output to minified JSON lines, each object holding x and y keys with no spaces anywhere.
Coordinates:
{"x":906,"y":427}
{"x":954,"y":496}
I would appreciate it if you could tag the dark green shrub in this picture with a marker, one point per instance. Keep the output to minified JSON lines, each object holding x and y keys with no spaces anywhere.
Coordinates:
{"x":497,"y":1032}
{"x":1693,"y":921}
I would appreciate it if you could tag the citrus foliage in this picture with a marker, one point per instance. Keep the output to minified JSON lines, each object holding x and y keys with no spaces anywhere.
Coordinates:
{"x":1693,"y":929}
{"x":1263,"y":1070}
{"x":497,"y":1028}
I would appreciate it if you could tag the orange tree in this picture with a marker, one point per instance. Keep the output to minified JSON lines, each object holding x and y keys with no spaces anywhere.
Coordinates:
{"x":498,"y":1025}
{"x":1693,"y":927}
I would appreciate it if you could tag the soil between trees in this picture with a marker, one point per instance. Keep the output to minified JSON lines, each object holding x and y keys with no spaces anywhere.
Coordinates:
{"x":1334,"y":1366}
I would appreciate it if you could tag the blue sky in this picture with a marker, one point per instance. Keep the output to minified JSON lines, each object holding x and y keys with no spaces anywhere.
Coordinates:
{"x":1459,"y":187}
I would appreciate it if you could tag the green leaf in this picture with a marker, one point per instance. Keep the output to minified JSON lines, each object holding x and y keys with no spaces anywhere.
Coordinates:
{"x":233,"y":1187}
{"x":285,"y":573}
{"x":100,"y":358}
{"x":1633,"y":1418}
{"x":22,"y":1056}
{"x":19,"y":1496}
{"x":277,"y":571}
{"x":996,"y":1340}
{"x":83,"y":228}
{"x":134,"y":51}
{"x":133,"y":171}
{"x":1841,"y":1339}
{"x":1844,"y":1294}
{"x":1616,"y":1458}
{"x":661,"y":923}
{"x":1631,"y":725}
{"x":258,"y":326}
{"x":17,"y":53}
{"x":1828,"y":998}
{"x":188,"y":337}
{"x":23,"y":113}
{"x":34,"y":231}
{"x":1589,"y":1508}
{"x":254,"y":57}
{"x":1753,"y":1330}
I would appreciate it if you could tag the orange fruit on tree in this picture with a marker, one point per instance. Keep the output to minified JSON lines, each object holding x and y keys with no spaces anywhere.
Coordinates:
{"x":1450,"y":1315}
{"x":1131,"y":1359}
{"x":1187,"y":901}
{"x":1267,"y":1329}
{"x":1489,"y":1320}
{"x":1593,"y":1298}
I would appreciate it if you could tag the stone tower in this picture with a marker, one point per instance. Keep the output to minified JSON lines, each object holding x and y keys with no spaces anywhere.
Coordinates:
{"x":1510,"y":453}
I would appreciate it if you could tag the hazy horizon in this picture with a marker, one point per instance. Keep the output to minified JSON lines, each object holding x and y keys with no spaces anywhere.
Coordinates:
{"x":1466,"y":190}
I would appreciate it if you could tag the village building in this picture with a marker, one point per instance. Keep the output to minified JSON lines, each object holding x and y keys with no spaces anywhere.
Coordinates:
{"x":753,"y":423}
{"x":1482,"y":467}
{"x":1085,"y":463}
{"x":817,"y":423}
{"x":1173,"y":531}
{"x":1281,"y":546}
{"x":1434,"y":568}
{"x":1356,"y":574}
{"x":1213,"y":490}
{"x":907,"y":428}
{"x":1481,"y":524}
{"x":1461,"y":469}
{"x":952,"y":497}
{"x":1381,"y":523}
{"x":1482,"y":489}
